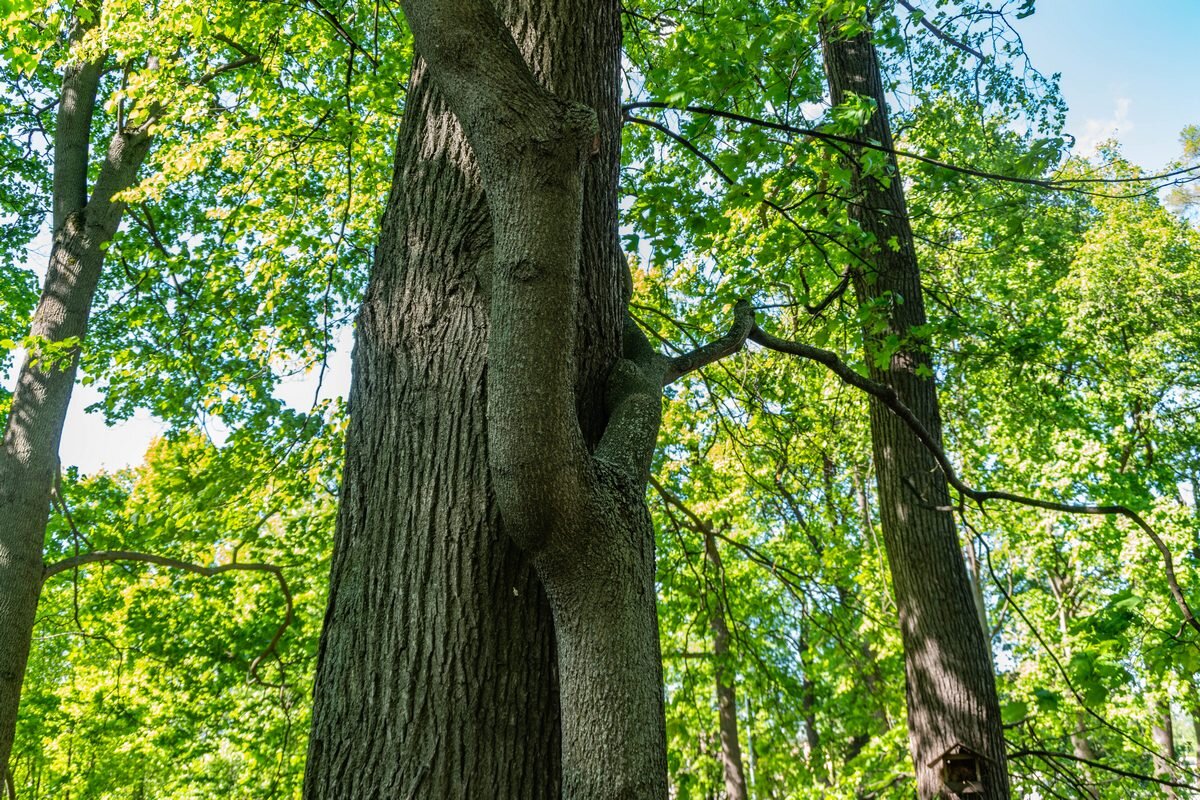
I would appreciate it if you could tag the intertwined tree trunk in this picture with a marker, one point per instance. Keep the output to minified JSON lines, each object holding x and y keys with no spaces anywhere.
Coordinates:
{"x":950,"y":683}
{"x":82,"y":226}
{"x":490,"y":454}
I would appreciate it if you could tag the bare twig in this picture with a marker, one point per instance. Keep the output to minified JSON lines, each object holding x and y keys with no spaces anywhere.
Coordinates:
{"x":103,"y":556}
{"x":923,"y":20}
{"x":1049,"y":754}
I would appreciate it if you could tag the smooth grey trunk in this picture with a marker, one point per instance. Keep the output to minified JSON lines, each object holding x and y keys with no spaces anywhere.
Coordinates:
{"x":976,"y":575}
{"x":950,"y":685}
{"x":808,"y":704}
{"x":752,"y":756}
{"x":489,"y":454}
{"x":731,"y":749}
{"x":81,"y":228}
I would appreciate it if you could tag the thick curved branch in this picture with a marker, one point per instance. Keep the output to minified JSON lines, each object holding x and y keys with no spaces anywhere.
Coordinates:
{"x":727,"y":345}
{"x":109,"y":556}
{"x":886,"y":395}
{"x":531,"y":147}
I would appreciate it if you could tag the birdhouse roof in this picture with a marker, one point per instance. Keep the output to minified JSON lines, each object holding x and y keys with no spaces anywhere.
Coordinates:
{"x":958,"y":749}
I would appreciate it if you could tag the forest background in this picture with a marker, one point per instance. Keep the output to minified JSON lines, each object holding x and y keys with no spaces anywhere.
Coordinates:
{"x":1074,"y":376}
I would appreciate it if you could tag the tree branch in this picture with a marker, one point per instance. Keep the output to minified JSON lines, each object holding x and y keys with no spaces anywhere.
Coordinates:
{"x":1047,"y":754}
{"x":104,"y":556}
{"x":1170,"y":178}
{"x":923,"y":20}
{"x":227,"y":67}
{"x":727,"y":345}
{"x":887,"y":396}
{"x":733,"y":341}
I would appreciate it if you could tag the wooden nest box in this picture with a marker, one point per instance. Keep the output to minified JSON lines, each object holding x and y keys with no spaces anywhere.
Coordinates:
{"x":962,"y":769}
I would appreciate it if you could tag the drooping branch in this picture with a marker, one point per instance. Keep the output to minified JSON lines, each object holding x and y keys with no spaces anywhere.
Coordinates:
{"x":1100,"y":765}
{"x":707,"y":354}
{"x":110,"y":556}
{"x":923,"y":21}
{"x":887,"y":396}
{"x":1175,"y":177}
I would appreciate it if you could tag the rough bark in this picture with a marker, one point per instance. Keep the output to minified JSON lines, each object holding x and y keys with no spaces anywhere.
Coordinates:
{"x":491,"y":325}
{"x":81,"y":228}
{"x":731,"y":749}
{"x":950,"y":684}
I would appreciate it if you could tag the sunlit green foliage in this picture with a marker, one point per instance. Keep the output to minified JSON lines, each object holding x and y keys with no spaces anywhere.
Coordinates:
{"x":1063,"y":330}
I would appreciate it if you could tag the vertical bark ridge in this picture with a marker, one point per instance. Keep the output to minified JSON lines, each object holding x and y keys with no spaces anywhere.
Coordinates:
{"x":436,"y":674}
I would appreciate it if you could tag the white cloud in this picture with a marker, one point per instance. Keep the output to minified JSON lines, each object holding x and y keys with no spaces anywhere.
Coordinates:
{"x":1096,"y":131}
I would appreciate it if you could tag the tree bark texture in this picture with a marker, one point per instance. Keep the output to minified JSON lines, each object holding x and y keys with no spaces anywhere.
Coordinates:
{"x":489,"y":455}
{"x":950,"y":684}
{"x":436,"y":673}
{"x":82,"y":226}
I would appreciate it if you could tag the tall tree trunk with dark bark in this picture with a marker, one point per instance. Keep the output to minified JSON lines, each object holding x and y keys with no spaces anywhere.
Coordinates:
{"x":950,"y":683}
{"x":490,"y":454}
{"x":82,"y":226}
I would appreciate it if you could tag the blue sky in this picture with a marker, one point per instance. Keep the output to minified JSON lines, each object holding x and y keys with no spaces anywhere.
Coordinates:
{"x":1128,"y":68}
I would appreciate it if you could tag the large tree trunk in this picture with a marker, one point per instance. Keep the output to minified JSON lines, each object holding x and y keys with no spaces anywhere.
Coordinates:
{"x":81,"y":228}
{"x":950,"y":683}
{"x":483,"y":350}
{"x":436,"y":669}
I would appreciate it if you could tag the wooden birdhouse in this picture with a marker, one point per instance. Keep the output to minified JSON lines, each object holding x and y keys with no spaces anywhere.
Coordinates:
{"x":963,"y":771}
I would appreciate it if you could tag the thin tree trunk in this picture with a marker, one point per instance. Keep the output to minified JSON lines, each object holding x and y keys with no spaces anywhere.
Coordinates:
{"x":752,"y":755}
{"x":1062,"y":587}
{"x":1194,"y":706}
{"x":81,"y":227}
{"x":808,"y":703}
{"x":950,"y":682}
{"x":437,"y":675}
{"x":1163,"y":733}
{"x":731,"y":750}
